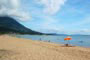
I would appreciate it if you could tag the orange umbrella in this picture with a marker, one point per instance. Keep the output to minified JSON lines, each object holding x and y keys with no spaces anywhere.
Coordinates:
{"x":68,"y":38}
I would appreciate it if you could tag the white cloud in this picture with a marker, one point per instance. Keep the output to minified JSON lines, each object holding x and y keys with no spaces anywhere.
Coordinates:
{"x":12,"y":8}
{"x":84,"y":21}
{"x":49,"y":25}
{"x":84,"y":31}
{"x":51,"y":6}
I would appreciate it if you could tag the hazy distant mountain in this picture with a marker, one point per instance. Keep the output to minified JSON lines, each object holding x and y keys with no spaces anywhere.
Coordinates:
{"x":56,"y":34}
{"x":10,"y":25}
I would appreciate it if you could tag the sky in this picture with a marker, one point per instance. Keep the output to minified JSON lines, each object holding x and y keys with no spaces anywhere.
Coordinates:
{"x":51,"y":16}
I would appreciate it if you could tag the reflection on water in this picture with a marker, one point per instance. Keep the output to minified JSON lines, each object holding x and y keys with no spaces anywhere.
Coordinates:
{"x":76,"y":40}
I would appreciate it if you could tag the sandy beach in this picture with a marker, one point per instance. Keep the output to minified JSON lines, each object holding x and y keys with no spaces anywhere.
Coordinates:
{"x":12,"y":48}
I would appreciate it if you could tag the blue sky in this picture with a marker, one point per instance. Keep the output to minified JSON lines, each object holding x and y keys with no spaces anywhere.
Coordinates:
{"x":57,"y":16}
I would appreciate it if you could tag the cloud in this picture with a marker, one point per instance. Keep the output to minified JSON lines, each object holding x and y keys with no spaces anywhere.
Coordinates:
{"x":12,"y":8}
{"x":84,"y":21}
{"x":50,"y":25}
{"x":83,"y":31}
{"x":51,"y":6}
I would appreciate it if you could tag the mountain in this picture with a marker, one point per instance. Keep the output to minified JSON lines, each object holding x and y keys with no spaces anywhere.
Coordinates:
{"x":10,"y":25}
{"x":56,"y":34}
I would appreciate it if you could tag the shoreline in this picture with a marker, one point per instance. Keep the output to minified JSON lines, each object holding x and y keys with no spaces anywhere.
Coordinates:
{"x":12,"y":48}
{"x":48,"y":41}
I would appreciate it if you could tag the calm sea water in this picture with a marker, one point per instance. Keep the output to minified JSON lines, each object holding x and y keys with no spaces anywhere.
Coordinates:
{"x":82,"y":40}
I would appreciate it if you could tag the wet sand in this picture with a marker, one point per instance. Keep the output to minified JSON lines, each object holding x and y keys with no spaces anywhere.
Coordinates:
{"x":12,"y":48}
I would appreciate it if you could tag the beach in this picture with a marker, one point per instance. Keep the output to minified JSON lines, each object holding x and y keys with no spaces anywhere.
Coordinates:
{"x":12,"y":48}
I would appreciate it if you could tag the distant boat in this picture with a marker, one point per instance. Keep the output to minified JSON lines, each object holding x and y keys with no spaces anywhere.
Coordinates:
{"x":80,"y":41}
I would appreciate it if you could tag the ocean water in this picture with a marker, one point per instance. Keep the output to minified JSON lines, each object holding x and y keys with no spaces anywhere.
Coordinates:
{"x":77,"y":40}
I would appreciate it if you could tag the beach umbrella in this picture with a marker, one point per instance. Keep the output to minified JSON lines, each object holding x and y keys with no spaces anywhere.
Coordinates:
{"x":68,"y":38}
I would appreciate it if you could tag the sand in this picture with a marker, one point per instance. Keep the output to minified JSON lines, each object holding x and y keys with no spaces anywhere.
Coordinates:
{"x":12,"y":48}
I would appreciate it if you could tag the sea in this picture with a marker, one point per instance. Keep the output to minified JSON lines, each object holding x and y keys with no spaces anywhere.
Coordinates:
{"x":77,"y":40}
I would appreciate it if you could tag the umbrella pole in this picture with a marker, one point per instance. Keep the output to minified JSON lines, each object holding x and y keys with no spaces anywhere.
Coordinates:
{"x":67,"y":44}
